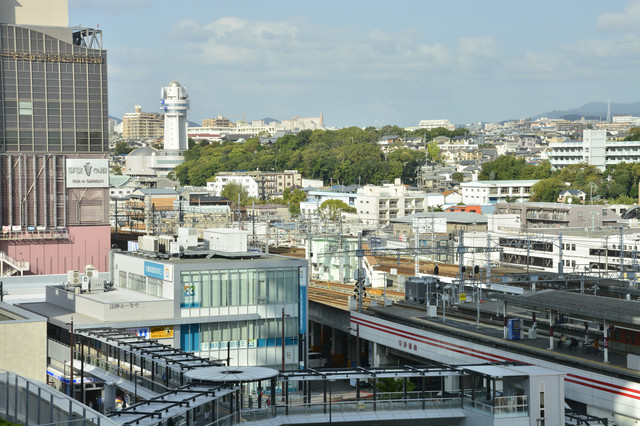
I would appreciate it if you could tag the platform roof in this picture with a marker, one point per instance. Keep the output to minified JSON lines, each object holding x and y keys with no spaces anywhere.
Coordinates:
{"x":580,"y":305}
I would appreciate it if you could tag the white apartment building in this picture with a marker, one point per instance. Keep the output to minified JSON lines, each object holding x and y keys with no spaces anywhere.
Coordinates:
{"x":247,"y":182}
{"x":496,"y":191}
{"x":432,"y":124}
{"x":594,"y":149}
{"x":315,"y":199}
{"x":377,"y":205}
{"x":255,"y":128}
{"x":626,"y":119}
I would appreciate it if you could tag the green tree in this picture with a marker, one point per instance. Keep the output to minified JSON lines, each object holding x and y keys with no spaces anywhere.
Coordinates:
{"x":505,"y":167}
{"x":547,"y":190}
{"x":332,"y":209}
{"x":116,"y":170}
{"x":233,"y":190}
{"x":434,"y":152}
{"x":122,"y":148}
{"x":293,"y":199}
{"x":634,"y":134}
{"x":457,"y":177}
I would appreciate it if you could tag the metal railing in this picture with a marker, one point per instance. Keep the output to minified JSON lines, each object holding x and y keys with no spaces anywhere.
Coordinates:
{"x":503,"y":406}
{"x":27,"y":401}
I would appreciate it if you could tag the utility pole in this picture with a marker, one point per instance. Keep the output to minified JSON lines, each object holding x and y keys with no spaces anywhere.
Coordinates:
{"x":560,"y":259}
{"x":416,"y":245}
{"x":461,"y":250}
{"x":359,"y":291}
{"x":116,"y":220}
{"x":71,"y":355}
{"x":488,"y":269}
{"x":620,"y":251}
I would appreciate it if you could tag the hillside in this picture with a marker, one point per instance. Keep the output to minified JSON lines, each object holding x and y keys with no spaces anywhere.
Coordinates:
{"x":593,"y":110}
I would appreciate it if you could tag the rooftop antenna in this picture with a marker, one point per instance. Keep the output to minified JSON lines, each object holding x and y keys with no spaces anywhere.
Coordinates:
{"x":609,"y":111}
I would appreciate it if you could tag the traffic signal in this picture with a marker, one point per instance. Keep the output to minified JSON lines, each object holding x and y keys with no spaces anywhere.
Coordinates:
{"x":476,"y":269}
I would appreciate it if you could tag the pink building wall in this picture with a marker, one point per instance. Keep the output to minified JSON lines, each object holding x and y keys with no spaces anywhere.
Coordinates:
{"x":86,"y":245}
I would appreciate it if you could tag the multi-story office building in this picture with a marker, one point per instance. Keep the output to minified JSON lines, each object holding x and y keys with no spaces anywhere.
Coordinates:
{"x":139,"y":126}
{"x":221,"y":304}
{"x":594,"y":149}
{"x":53,"y":140}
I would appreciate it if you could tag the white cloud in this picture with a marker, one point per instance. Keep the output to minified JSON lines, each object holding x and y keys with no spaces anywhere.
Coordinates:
{"x":629,"y":20}
{"x":297,"y":49}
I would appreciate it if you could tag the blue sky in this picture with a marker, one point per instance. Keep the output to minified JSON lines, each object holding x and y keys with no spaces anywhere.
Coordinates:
{"x":368,"y":62}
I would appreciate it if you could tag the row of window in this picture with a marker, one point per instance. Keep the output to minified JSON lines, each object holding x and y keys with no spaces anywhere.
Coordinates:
{"x":268,"y":328}
{"x":238,"y":287}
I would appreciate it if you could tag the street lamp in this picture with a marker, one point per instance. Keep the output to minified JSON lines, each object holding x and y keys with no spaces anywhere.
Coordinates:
{"x":71,"y":393}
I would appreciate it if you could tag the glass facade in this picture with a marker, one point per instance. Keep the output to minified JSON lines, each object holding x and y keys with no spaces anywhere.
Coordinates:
{"x":53,"y":94}
{"x":137,"y":282}
{"x":238,"y":287}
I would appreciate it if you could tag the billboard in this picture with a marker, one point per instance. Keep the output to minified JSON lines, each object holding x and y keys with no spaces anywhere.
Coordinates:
{"x":161,"y":332}
{"x":87,"y":173}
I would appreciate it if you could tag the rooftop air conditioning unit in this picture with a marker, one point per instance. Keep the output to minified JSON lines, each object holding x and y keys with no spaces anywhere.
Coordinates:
{"x":73,"y":277}
{"x":148,"y":243}
{"x":85,"y":283}
{"x":174,"y":247}
{"x":90,"y":271}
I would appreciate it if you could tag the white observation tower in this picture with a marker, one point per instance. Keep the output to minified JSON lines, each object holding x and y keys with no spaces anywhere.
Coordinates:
{"x":175,"y":104}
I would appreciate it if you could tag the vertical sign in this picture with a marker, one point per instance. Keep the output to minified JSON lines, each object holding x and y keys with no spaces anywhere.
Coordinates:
{"x":302,"y":303}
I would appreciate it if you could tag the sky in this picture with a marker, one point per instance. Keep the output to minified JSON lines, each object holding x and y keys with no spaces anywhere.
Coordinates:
{"x":368,"y":62}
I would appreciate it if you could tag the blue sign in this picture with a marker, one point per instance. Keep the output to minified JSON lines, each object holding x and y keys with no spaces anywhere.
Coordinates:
{"x":154,"y":270}
{"x":302,"y":301}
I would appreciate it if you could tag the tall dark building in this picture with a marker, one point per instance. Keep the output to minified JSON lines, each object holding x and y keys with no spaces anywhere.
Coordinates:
{"x":54,"y":173}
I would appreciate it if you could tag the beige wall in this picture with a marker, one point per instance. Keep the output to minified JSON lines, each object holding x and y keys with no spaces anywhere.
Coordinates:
{"x":35,"y":12}
{"x":23,"y":348}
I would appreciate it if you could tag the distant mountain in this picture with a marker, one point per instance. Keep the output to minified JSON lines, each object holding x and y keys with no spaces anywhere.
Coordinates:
{"x":594,"y":111}
{"x":270,"y":120}
{"x":118,"y":120}
{"x":193,"y":124}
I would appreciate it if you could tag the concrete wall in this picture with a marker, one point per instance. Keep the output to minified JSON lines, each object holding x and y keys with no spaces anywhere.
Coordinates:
{"x":23,"y":348}
{"x":35,"y":12}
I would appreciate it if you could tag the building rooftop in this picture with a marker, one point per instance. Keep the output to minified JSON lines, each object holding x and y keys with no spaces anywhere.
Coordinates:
{"x":501,"y":182}
{"x":457,"y":217}
{"x":580,"y":305}
{"x":11,"y":313}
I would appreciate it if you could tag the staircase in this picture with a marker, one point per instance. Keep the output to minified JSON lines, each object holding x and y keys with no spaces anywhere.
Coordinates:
{"x":10,"y":266}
